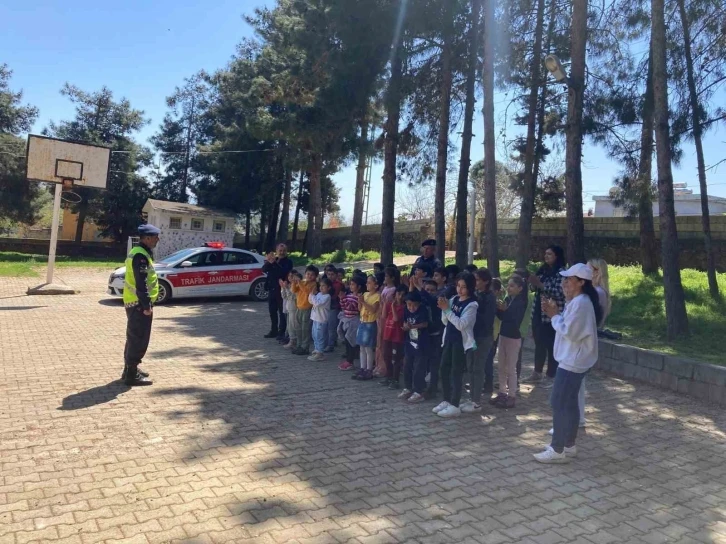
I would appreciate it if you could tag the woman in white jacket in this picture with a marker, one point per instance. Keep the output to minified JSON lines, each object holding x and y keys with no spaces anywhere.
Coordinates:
{"x":458,"y":316}
{"x":576,"y":351}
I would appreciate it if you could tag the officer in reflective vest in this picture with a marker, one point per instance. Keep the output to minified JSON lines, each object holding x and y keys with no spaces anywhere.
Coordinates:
{"x":141,"y":288}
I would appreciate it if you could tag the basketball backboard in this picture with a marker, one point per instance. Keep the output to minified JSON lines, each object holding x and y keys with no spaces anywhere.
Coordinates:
{"x":51,"y":160}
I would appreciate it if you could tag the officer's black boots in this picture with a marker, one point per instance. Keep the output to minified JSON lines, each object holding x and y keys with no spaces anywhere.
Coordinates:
{"x":133,"y":377}
{"x":138,"y":371}
{"x":271,"y":334}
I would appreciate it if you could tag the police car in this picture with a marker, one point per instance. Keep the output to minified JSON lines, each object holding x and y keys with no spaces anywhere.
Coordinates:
{"x":209,"y":271}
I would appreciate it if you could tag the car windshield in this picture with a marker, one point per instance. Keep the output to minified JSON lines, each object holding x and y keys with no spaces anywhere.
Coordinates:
{"x":177,"y":256}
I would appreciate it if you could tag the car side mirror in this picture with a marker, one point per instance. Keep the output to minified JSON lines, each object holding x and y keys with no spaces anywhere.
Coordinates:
{"x":186,"y":264}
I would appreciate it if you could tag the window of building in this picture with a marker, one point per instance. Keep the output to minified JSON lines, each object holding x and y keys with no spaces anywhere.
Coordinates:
{"x":197,"y":224}
{"x":219,"y":226}
{"x":175,"y":223}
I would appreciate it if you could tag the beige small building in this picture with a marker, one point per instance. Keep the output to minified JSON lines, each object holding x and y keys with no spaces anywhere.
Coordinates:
{"x":188,"y":225}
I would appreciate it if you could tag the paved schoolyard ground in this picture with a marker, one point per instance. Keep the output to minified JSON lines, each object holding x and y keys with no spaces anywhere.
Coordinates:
{"x":239,"y":441}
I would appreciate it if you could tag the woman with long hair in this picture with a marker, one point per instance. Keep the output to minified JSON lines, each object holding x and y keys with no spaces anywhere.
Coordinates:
{"x":601,"y":282}
{"x":546,"y":282}
{"x":576,"y":350}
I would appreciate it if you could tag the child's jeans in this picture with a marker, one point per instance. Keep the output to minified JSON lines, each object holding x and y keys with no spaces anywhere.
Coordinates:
{"x":508,"y":353}
{"x":453,"y":366}
{"x":292,"y":324}
{"x":489,"y":368}
{"x":332,"y":329}
{"x":477,"y":368}
{"x":303,"y":329}
{"x":414,"y":371}
{"x":320,"y":335}
{"x":351,"y":352}
{"x":393,"y":356}
{"x":434,"y":363}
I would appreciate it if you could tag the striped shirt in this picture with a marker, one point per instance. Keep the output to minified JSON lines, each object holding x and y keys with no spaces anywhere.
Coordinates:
{"x":349,"y":305}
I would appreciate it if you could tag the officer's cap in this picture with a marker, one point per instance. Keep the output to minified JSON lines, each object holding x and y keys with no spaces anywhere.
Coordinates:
{"x":429,"y":242}
{"x":148,"y":230}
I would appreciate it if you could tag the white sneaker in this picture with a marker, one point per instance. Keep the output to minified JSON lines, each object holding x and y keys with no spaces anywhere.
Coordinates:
{"x":289,"y":345}
{"x":583,"y":423}
{"x":570,"y":452}
{"x":470,"y":407}
{"x":551,"y":431}
{"x":316,"y":356}
{"x":450,"y":411}
{"x":404,"y":394}
{"x":440,"y":406}
{"x":550,"y":457}
{"x":416,"y":398}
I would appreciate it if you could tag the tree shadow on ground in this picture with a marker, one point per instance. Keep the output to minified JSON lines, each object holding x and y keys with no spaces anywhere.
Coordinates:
{"x":94,"y":396}
{"x":303,"y":446}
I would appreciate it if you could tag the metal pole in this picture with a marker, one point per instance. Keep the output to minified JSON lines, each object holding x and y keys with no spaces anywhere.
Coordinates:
{"x":472,"y":222}
{"x":54,"y":232}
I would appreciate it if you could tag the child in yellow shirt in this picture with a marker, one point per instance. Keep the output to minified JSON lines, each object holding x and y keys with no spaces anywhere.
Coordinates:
{"x":304,"y":328}
{"x":369,"y":304}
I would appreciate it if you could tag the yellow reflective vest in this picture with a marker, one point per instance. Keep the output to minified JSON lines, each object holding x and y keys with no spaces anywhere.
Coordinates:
{"x":152,"y":283}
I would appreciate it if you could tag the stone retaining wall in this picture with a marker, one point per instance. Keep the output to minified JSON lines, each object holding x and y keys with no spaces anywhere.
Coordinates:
{"x":694,"y":378}
{"x":615,"y":239}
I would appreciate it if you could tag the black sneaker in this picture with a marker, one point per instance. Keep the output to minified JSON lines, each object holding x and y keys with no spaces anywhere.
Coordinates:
{"x":271,"y":334}
{"x":394,"y":385}
{"x":384,"y":381}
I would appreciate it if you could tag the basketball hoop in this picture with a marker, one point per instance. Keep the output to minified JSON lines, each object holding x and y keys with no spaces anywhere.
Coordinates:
{"x":65,"y":163}
{"x":67,"y":195}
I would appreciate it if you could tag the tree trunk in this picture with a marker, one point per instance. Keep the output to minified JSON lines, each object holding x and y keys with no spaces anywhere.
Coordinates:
{"x":573,"y":149}
{"x":490,"y":179}
{"x":285,"y":214}
{"x":81,"y":218}
{"x":306,"y":240}
{"x":297,"y":211}
{"x":648,"y":247}
{"x":272,"y":228}
{"x":359,"y":189}
{"x":539,"y":141}
{"x":524,"y":232}
{"x":462,"y":242}
{"x":263,"y":224}
{"x":315,"y":207}
{"x":700,"y":160}
{"x":675,"y":305}
{"x":390,"y":155}
{"x":443,"y":138}
{"x":185,"y":174}
{"x":248,"y":227}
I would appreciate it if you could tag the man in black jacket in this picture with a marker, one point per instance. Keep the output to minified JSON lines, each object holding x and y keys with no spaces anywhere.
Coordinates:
{"x":277,"y":267}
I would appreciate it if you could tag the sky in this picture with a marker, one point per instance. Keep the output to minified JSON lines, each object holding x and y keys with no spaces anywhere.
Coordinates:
{"x":142,"y":50}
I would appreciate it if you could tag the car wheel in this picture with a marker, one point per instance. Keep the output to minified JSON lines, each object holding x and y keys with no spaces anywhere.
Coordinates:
{"x":258,"y":290}
{"x":164,"y":293}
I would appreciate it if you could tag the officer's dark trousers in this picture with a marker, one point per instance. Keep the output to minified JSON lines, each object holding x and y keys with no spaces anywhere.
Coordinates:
{"x":278,"y":319}
{"x":138,"y":333}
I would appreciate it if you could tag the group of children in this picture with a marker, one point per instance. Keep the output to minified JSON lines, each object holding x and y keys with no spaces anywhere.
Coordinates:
{"x":441,"y":323}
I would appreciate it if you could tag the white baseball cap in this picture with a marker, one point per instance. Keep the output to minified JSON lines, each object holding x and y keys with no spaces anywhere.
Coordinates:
{"x":579,"y":270}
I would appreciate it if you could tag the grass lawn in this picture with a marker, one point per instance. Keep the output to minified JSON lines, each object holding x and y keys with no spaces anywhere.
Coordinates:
{"x":26,"y":265}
